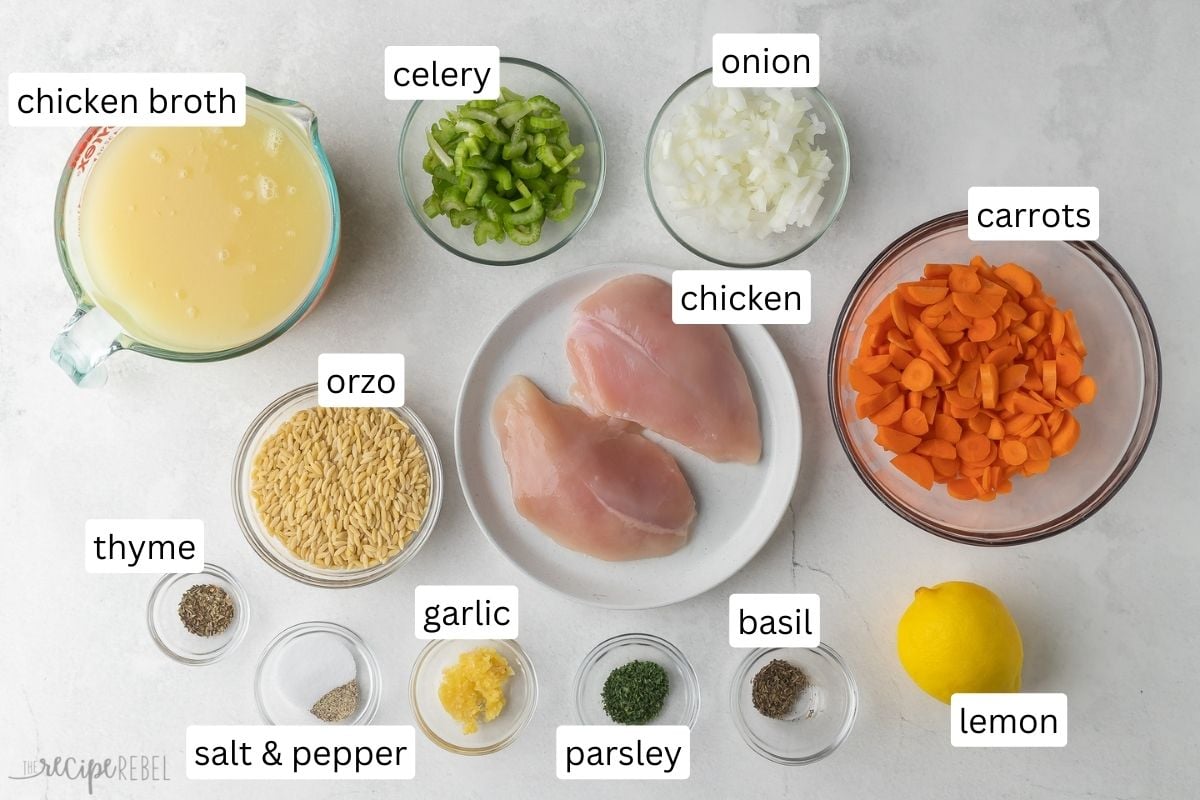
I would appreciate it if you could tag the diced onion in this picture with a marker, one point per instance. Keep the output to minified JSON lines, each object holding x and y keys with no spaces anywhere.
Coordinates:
{"x":745,"y":160}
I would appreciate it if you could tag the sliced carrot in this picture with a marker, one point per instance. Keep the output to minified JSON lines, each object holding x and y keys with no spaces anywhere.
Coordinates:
{"x":889,"y":414}
{"x":900,"y":313}
{"x":1085,"y":389}
{"x":900,"y":356}
{"x":973,"y":447}
{"x":862,"y":382}
{"x":1063,"y":441}
{"x":925,"y":340}
{"x":989,"y":385}
{"x":947,"y":428}
{"x":1034,"y":467}
{"x":1016,"y":276}
{"x":872,"y":364}
{"x":995,"y":430}
{"x":983,"y":329}
{"x":882,"y":312}
{"x":980,"y":422}
{"x":955,"y":320}
{"x":916,"y":467}
{"x":917,"y":376}
{"x":1020,"y":422}
{"x":896,"y":441}
{"x":1039,"y":448}
{"x":1072,"y":333}
{"x":1049,"y":379}
{"x":937,"y":448}
{"x":867,"y":404}
{"x":977,"y":305}
{"x":1014,"y":452}
{"x":1012,"y":377}
{"x":1031,"y":404}
{"x":913,"y":421}
{"x":957,"y":400}
{"x":945,"y":467}
{"x":888,"y":374}
{"x":935,"y":271}
{"x":924,"y":294}
{"x":942,"y":374}
{"x":964,"y":279}
{"x":961,"y":489}
{"x":1070,"y":367}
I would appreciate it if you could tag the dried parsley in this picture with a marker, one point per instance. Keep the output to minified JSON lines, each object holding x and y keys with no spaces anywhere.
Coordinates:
{"x":634,"y":694}
{"x":337,"y":704}
{"x":206,"y":610}
{"x":776,"y":687}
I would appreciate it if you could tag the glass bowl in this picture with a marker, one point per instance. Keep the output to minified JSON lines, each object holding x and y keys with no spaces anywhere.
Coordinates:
{"x":275,"y":666}
{"x":729,"y":249}
{"x":273,"y":551}
{"x":682,"y":706}
{"x":526,"y":78}
{"x":521,"y":693}
{"x":821,"y":719}
{"x":1123,"y":358}
{"x":167,"y":630}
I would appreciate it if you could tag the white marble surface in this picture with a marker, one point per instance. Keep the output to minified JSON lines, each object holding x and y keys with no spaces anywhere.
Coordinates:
{"x":936,"y":96}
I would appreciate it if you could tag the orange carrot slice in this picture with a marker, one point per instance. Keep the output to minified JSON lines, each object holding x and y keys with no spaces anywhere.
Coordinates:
{"x":964,"y":279}
{"x":913,"y":421}
{"x":977,"y":305}
{"x":896,"y":441}
{"x":889,"y":414}
{"x":917,"y":376}
{"x":916,"y":467}
{"x":924,"y":294}
{"x":872,"y":364}
{"x":1014,"y":452}
{"x":1085,"y":389}
{"x":973,"y":447}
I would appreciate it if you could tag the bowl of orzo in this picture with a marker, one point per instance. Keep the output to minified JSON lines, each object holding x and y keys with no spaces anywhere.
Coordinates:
{"x":336,"y":497}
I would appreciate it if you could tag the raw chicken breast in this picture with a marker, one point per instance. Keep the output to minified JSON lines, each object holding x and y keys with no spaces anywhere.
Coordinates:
{"x":683,"y":381}
{"x":591,"y":484}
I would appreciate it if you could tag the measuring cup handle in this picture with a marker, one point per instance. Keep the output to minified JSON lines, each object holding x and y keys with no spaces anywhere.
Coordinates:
{"x":88,"y":338}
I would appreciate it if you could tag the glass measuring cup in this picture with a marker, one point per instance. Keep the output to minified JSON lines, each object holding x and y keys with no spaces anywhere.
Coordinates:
{"x":93,"y":334}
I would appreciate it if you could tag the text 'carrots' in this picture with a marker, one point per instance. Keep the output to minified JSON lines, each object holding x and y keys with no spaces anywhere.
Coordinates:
{"x":970,"y":375}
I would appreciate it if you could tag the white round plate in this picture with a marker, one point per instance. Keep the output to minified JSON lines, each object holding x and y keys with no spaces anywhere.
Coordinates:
{"x":738,"y":506}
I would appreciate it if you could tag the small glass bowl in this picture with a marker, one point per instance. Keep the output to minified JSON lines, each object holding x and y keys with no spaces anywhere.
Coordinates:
{"x":526,"y":78}
{"x":822,"y":717}
{"x":167,"y":630}
{"x":273,"y":551}
{"x":276,"y":709}
{"x":521,"y":693}
{"x":683,"y":697}
{"x":1116,"y":428}
{"x":729,"y":249}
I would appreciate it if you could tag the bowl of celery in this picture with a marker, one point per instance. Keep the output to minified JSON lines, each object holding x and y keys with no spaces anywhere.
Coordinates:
{"x":506,"y":180}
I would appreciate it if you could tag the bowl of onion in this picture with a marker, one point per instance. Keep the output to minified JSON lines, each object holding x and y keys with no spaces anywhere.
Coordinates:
{"x":746,"y":177}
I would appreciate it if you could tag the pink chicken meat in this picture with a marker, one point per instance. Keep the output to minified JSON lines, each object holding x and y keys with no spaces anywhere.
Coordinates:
{"x":591,"y":484}
{"x":684,"y":382}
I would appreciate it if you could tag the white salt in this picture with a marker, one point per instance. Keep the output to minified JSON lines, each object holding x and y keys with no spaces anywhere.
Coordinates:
{"x":311,"y":666}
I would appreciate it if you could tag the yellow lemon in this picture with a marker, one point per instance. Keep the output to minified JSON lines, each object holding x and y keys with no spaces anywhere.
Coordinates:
{"x":959,"y":637}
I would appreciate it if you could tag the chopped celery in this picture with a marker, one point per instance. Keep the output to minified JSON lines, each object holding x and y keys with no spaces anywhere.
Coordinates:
{"x":503,"y":166}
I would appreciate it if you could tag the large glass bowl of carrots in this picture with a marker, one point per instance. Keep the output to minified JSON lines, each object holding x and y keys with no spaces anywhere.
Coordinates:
{"x":993,"y":393}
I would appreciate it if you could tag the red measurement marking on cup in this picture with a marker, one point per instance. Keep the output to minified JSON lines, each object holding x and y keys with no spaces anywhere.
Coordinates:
{"x":88,"y":146}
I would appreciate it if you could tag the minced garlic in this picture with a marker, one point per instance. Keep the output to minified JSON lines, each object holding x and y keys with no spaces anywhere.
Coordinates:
{"x":474,"y":687}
